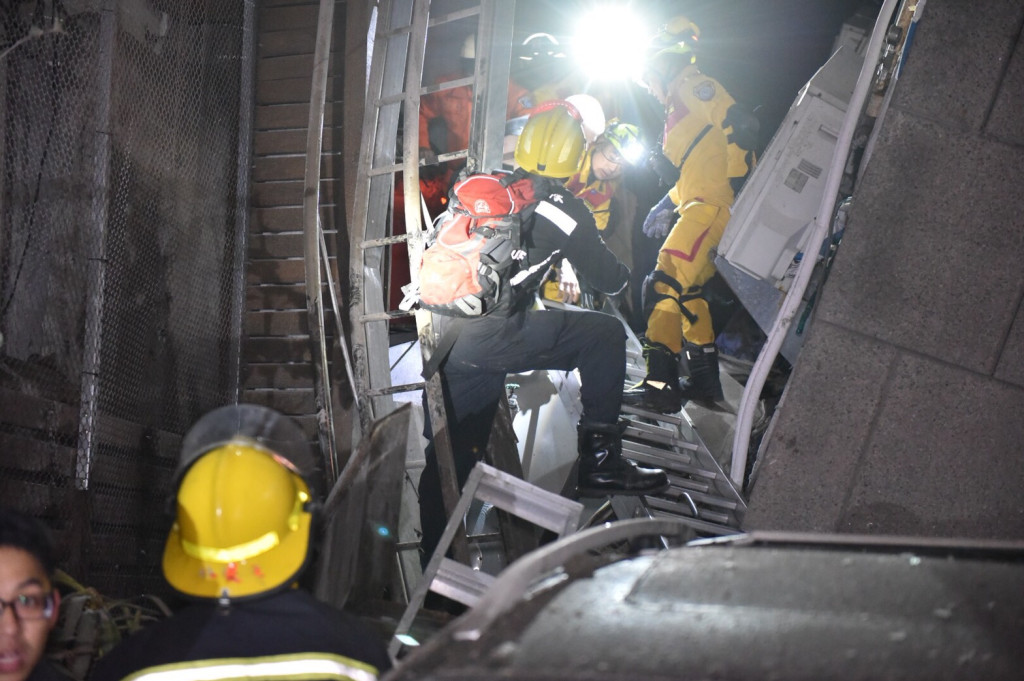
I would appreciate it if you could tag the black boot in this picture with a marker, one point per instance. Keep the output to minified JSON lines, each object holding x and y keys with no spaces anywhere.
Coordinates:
{"x":703,"y":384}
{"x":659,"y":391}
{"x":603,"y":471}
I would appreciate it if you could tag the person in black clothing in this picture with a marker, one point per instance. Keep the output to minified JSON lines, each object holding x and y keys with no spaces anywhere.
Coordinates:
{"x":517,"y":337}
{"x":28,"y":601}
{"x":246,"y":497}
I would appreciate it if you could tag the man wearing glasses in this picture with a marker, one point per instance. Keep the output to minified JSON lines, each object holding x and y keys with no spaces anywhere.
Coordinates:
{"x":28,"y":601}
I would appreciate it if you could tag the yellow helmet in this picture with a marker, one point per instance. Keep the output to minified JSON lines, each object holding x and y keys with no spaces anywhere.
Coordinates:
{"x":680,"y":29}
{"x":552,"y":143}
{"x":625,"y":138}
{"x":670,"y":49}
{"x":244,"y":510}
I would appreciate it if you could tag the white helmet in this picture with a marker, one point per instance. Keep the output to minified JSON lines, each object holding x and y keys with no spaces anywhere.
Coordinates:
{"x":469,"y":47}
{"x":593,"y":115}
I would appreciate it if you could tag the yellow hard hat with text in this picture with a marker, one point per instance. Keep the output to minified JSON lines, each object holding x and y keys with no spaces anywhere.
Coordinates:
{"x":243,"y":510}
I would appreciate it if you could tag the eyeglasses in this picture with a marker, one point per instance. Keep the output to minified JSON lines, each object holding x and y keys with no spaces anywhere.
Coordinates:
{"x":610,"y":155}
{"x":29,"y":606}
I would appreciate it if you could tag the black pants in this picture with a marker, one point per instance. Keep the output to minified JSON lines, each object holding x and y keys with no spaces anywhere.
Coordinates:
{"x":489,"y":349}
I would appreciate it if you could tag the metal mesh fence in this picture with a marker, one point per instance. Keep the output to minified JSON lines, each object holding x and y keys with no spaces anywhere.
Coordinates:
{"x":124,"y":144}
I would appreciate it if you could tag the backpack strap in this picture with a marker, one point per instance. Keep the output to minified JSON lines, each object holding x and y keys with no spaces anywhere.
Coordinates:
{"x":529,"y":191}
{"x":508,"y":179}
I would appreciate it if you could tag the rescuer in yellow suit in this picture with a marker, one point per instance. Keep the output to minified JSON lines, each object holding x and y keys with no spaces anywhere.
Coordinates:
{"x":713,"y":101}
{"x":703,"y":131}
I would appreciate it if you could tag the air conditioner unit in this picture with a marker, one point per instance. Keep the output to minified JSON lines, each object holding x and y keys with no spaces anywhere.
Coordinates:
{"x":773,"y":213}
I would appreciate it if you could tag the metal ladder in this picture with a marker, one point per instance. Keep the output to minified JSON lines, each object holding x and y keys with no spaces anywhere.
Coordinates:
{"x":394,"y":89}
{"x":466,"y":584}
{"x":700,"y":491}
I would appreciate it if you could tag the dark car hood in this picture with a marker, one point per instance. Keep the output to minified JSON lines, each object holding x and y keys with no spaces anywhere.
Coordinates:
{"x":758,"y":610}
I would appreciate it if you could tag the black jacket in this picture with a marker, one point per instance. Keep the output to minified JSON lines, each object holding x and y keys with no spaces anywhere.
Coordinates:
{"x":561,"y":226}
{"x":287,"y":635}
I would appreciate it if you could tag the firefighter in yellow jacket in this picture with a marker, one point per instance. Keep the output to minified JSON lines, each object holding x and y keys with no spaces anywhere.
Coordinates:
{"x":694,"y":214}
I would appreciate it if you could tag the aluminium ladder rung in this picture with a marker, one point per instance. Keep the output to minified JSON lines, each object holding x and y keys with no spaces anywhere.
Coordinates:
{"x":393,"y":168}
{"x":663,"y":438}
{"x":652,"y":457}
{"x":505,"y":492}
{"x":667,"y":456}
{"x":689,"y":484}
{"x":699,"y":524}
{"x":385,"y":316}
{"x":650,"y":507}
{"x":460,"y":582}
{"x":684,"y":508}
{"x":649,"y":428}
{"x":436,"y":20}
{"x":675,"y":419}
{"x":447,"y":85}
{"x":427,"y":89}
{"x":658,"y":433}
{"x":710,"y":499}
{"x":527,"y":501}
{"x":666,"y":463}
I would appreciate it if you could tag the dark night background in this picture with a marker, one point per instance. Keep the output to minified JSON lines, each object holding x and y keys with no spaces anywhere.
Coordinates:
{"x":762,"y":51}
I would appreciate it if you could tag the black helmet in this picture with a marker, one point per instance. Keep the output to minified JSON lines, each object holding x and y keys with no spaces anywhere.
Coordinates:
{"x":540,"y":47}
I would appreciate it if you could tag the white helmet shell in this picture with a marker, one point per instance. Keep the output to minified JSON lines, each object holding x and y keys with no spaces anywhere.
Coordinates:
{"x":468,"y":50}
{"x":593,"y":115}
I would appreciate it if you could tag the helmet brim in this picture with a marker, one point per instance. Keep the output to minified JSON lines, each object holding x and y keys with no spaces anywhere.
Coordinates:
{"x":258,"y":576}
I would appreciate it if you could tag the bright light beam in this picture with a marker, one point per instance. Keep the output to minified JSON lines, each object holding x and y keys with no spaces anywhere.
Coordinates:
{"x":609,"y":42}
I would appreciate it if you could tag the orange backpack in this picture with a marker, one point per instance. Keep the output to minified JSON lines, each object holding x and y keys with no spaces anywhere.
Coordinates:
{"x":475,"y":248}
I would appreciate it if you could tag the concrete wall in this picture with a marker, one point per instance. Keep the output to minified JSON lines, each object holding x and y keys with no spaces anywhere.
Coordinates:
{"x":905,"y":411}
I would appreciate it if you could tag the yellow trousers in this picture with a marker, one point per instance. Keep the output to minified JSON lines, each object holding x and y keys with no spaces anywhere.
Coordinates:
{"x":686,"y":257}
